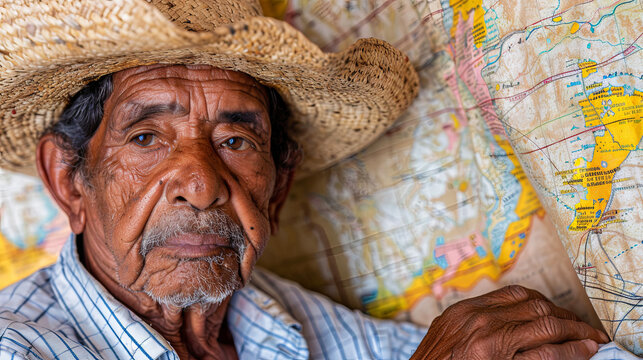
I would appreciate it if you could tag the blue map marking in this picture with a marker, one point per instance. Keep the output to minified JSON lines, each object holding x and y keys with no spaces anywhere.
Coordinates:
{"x":481,"y":251}
{"x":496,"y":233}
{"x":440,"y":260}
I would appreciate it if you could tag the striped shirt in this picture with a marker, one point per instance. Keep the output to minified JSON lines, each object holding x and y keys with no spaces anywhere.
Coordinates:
{"x":614,"y":351}
{"x":62,"y":312}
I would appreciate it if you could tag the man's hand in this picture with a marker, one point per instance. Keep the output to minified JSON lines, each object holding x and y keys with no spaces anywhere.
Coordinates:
{"x":510,"y":323}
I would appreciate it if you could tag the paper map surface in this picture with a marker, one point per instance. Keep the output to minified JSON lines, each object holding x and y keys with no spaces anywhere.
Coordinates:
{"x":522,"y":151}
{"x":442,"y":206}
{"x":32,"y":230}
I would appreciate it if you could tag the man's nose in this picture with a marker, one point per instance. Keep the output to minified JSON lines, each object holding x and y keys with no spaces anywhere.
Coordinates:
{"x":197,"y":181}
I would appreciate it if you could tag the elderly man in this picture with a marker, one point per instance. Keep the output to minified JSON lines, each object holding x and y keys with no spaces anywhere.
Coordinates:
{"x":172,"y":165}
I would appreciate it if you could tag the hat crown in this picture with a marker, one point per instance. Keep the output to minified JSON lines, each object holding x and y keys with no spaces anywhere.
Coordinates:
{"x":207,"y":15}
{"x":49,"y":50}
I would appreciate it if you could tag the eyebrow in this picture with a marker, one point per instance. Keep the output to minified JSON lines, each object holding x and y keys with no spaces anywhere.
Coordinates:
{"x":137,"y":112}
{"x":245,"y":117}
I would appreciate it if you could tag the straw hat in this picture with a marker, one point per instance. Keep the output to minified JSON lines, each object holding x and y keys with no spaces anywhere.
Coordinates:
{"x":49,"y":50}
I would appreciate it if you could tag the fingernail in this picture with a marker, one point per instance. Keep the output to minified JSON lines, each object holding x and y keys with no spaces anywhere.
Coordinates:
{"x":591,"y":345}
{"x":605,"y":338}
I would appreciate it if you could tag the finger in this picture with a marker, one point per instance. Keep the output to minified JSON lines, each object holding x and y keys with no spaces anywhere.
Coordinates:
{"x":507,"y":295}
{"x":532,"y":309}
{"x":572,"y":350}
{"x":552,"y":330}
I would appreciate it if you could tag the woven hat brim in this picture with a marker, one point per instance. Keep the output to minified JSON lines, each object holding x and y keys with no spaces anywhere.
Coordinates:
{"x":340,"y":102}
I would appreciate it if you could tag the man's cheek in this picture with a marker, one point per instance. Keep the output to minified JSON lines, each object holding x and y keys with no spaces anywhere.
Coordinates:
{"x":254,"y":169}
{"x":105,"y":201}
{"x":133,"y":203}
{"x":255,"y":223}
{"x":259,"y":182}
{"x":117,"y":190}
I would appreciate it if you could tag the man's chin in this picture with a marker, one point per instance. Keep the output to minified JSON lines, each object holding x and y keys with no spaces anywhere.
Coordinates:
{"x":203,"y":281}
{"x":198,"y":297}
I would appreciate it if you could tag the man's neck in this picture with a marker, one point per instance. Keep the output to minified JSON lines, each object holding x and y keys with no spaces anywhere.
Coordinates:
{"x":196,"y":332}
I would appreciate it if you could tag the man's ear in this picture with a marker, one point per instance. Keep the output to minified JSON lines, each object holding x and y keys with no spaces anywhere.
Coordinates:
{"x":279,"y":196}
{"x":56,"y":175}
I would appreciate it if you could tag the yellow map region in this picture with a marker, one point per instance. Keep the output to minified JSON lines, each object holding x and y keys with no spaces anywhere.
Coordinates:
{"x":461,"y":11}
{"x":620,"y":117}
{"x":587,"y":67}
{"x":475,"y":267}
{"x":16,"y":263}
{"x":528,"y":206}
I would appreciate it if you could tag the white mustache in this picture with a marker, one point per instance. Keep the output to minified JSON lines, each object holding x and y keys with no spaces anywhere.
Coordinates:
{"x":214,"y":222}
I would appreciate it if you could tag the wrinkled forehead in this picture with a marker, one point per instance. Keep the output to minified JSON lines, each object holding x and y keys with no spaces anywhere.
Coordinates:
{"x":130,"y":81}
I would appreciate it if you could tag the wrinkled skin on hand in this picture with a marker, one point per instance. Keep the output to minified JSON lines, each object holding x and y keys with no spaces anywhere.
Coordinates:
{"x":510,"y":323}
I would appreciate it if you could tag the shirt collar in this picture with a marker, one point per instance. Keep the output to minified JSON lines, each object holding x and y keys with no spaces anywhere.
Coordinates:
{"x":259,"y":322}
{"x":110,"y":329}
{"x":105,"y":324}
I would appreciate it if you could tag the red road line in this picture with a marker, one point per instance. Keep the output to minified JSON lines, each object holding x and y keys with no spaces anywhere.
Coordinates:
{"x":545,"y":81}
{"x":561,"y":140}
{"x":555,"y":15}
{"x":586,"y":267}
{"x":571,"y":136}
{"x":521,"y":95}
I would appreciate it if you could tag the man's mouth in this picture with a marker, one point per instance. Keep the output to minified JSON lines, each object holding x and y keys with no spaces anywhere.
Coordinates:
{"x":195,"y":235}
{"x":197,"y":246}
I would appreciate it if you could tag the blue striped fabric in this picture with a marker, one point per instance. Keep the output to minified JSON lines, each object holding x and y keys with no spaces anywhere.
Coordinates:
{"x":62,"y":312}
{"x":614,"y":351}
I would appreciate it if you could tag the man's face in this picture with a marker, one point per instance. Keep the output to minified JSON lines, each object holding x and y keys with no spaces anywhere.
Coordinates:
{"x":180,"y":179}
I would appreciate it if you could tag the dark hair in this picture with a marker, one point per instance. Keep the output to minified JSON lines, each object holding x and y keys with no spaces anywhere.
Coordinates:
{"x":82,"y":116}
{"x":286,"y":152}
{"x":80,"y":120}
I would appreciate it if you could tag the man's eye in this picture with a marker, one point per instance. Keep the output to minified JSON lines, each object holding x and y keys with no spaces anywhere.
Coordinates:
{"x":144,"y":139}
{"x":237,"y":143}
